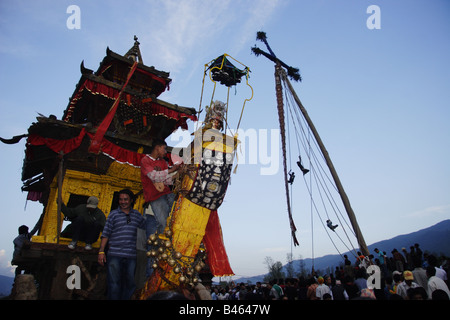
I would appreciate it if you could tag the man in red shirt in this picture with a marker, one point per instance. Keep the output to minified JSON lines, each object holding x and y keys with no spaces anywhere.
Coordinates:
{"x":156,"y":177}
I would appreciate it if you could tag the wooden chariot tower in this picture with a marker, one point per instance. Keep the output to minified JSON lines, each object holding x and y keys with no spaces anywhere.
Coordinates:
{"x":95,"y":149}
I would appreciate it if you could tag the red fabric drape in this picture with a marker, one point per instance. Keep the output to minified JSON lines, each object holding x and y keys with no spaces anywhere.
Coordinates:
{"x":34,"y":195}
{"x":159,"y":110}
{"x":99,"y":88}
{"x":120,"y":154}
{"x":66,"y":146}
{"x":111,"y":93}
{"x":215,"y":247}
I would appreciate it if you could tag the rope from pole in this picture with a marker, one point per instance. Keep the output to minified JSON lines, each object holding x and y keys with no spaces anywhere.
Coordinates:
{"x":279,"y":93}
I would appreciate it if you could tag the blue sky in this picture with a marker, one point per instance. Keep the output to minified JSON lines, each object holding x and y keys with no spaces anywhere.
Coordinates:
{"x":379,"y":99}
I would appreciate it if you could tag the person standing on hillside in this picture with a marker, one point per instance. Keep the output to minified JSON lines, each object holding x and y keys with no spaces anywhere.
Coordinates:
{"x":399,"y":260}
{"x":382,"y":259}
{"x":348,"y":269}
{"x":418,"y":254}
{"x":408,"y":256}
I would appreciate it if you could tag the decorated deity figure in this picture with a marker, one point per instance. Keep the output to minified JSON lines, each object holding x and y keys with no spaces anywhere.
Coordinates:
{"x":215,"y":115}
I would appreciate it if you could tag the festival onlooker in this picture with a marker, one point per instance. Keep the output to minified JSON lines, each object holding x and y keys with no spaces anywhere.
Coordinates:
{"x":120,"y":234}
{"x":290,"y":291}
{"x":383,"y":265}
{"x":215,"y":294}
{"x":350,"y":287}
{"x":242,"y":291}
{"x":311,"y":294}
{"x":418,"y":293}
{"x":419,"y":273}
{"x":348,"y":270}
{"x":408,"y":262}
{"x":439,"y":295}
{"x":302,"y":289}
{"x":388,"y":287}
{"x":399,"y":260}
{"x":322,"y":289}
{"x":339,"y":292}
{"x":273,"y":293}
{"x":258,"y":292}
{"x":223,"y":294}
{"x":435,"y":283}
{"x":397,"y":280}
{"x":361,"y":281}
{"x":404,"y":286}
{"x":418,"y":254}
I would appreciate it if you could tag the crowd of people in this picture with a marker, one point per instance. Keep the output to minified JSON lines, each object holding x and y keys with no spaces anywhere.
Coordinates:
{"x":410,"y":275}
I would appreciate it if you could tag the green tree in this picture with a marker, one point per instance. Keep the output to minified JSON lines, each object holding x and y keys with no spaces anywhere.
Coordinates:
{"x":274,"y":269}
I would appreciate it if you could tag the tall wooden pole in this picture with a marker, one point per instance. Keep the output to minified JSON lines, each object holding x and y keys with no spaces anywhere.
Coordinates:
{"x":345,"y":200}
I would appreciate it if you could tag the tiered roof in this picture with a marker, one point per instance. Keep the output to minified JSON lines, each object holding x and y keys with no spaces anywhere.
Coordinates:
{"x":140,"y":118}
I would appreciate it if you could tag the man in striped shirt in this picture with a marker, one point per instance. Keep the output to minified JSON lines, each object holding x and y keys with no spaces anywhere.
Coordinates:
{"x":120,"y":233}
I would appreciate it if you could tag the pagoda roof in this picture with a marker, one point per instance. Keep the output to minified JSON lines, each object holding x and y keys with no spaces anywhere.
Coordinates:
{"x":111,"y":56}
{"x":139,"y":118}
{"x":88,"y":78}
{"x":140,"y":112}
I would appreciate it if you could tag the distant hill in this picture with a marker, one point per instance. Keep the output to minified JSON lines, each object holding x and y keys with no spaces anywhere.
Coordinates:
{"x":434,"y":239}
{"x":6,"y":284}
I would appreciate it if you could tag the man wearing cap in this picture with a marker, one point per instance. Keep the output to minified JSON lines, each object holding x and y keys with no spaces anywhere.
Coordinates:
{"x":402,"y":288}
{"x":87,"y":223}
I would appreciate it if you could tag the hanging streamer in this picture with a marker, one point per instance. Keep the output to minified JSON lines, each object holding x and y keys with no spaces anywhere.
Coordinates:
{"x":103,"y":127}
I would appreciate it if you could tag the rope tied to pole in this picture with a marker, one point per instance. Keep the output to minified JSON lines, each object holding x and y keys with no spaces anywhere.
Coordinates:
{"x":279,"y":91}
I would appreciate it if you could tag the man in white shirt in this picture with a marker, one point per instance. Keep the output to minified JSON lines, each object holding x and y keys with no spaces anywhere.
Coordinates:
{"x":440,"y":273}
{"x":419,"y":273}
{"x":402,"y":288}
{"x":322,"y":289}
{"x":435,"y":283}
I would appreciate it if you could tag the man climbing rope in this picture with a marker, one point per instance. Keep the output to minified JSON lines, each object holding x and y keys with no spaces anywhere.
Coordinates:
{"x":299,"y":163}
{"x":291,"y":177}
{"x":330,"y":225}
